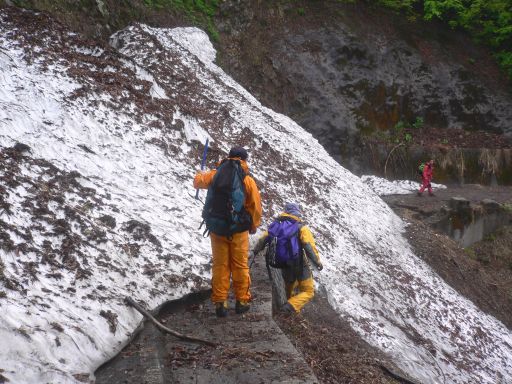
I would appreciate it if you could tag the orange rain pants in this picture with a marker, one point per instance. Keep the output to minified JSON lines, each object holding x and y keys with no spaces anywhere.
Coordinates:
{"x":230,"y":259}
{"x":306,"y":291}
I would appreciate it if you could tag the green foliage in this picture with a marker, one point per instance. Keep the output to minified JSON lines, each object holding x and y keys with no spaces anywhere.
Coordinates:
{"x":490,"y":237}
{"x":489,"y":21}
{"x":401,"y":132}
{"x":470,"y":252}
{"x":418,"y":123}
{"x":199,"y":12}
{"x":399,"y":5}
{"x":399,"y":127}
{"x":301,"y":11}
{"x":444,"y":141}
{"x":481,"y":257}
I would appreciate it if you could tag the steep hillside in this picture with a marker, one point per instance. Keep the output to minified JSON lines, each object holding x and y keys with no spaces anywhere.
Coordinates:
{"x":99,"y":206}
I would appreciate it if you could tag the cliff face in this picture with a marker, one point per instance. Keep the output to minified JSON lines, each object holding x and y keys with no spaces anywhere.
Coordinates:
{"x":350,"y":72}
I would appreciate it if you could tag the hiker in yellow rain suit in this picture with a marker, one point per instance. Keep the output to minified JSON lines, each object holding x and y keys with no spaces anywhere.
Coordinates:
{"x":230,"y":253}
{"x":297,"y":277}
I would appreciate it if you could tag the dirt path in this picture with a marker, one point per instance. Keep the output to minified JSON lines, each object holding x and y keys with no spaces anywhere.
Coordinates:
{"x":253,"y":348}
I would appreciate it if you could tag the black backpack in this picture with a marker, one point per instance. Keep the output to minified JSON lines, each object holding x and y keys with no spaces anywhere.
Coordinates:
{"x":224,"y":213}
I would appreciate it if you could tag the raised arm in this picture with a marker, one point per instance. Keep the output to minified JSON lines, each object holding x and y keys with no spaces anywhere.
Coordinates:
{"x":202,"y":180}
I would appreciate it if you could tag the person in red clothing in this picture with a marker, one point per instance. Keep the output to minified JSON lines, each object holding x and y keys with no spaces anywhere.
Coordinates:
{"x":428,"y":172}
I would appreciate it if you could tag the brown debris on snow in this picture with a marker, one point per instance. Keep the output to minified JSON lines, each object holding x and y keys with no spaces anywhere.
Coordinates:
{"x":111,"y":319}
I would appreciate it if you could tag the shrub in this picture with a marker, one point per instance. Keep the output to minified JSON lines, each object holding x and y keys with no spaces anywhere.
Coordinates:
{"x":488,"y":21}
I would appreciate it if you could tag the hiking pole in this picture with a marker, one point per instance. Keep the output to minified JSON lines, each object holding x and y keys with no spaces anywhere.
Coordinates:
{"x":203,"y":163}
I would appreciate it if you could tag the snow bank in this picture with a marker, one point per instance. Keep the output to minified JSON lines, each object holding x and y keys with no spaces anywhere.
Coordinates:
{"x":384,"y":187}
{"x":138,"y":154}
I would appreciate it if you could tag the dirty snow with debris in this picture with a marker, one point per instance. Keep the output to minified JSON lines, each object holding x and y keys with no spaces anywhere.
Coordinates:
{"x":383,"y":187}
{"x":100,"y":208}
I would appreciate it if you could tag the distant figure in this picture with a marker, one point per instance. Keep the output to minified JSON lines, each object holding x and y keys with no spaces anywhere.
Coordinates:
{"x":292,"y":242}
{"x":428,"y":172}
{"x":232,"y":210}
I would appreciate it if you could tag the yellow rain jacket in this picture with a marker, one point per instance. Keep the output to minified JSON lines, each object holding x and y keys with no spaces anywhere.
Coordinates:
{"x":230,"y":255}
{"x":298,"y":278}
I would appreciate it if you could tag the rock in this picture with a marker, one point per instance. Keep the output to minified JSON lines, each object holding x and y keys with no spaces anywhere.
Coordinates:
{"x":108,"y":220}
{"x":20,"y":147}
{"x":491,"y":206}
{"x":459,"y":203}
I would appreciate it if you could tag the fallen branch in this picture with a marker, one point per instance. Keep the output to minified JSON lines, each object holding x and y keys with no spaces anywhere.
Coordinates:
{"x":163,"y":328}
{"x":395,"y":375}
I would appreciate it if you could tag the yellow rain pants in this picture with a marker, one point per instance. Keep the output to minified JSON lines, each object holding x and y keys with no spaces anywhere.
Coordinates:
{"x":230,"y":258}
{"x":306,"y":291}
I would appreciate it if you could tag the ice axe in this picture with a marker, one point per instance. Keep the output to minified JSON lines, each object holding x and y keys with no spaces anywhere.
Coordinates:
{"x":203,"y":163}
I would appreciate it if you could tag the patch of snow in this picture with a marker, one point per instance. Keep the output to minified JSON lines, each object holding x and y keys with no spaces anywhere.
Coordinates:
{"x":192,"y":128}
{"x":383,"y":187}
{"x":196,"y":42}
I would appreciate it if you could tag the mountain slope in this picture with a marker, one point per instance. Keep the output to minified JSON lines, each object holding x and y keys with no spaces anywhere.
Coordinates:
{"x":101,"y":207}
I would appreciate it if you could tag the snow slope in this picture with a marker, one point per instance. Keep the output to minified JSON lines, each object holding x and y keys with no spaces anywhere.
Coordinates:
{"x":100,"y":208}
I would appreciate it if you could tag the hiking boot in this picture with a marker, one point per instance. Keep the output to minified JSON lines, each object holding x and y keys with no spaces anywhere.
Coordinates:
{"x":242,"y":306}
{"x":431,"y":194}
{"x":418,"y":193}
{"x":221,"y":309}
{"x":287,"y":308}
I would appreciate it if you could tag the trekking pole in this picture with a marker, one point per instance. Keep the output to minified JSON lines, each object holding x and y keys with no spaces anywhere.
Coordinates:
{"x":203,"y":163}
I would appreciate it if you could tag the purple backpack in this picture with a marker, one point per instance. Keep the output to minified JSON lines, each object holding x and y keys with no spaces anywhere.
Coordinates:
{"x":284,"y":245}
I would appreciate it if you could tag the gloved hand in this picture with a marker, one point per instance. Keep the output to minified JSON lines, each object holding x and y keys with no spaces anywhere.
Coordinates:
{"x":319,"y":267}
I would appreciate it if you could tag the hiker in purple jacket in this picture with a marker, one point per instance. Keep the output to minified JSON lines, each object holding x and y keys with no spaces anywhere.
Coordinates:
{"x":296,"y":273}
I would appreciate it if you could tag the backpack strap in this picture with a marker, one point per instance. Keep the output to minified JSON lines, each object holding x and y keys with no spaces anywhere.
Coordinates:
{"x":206,"y":232}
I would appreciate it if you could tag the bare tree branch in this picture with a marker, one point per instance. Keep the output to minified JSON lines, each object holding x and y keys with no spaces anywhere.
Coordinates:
{"x":163,"y":328}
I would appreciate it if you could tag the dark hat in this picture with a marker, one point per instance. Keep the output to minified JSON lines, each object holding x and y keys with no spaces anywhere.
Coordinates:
{"x":238,"y":152}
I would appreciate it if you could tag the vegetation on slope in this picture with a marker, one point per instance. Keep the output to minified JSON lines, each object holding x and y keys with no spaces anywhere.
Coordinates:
{"x":488,"y":21}
{"x":199,"y":12}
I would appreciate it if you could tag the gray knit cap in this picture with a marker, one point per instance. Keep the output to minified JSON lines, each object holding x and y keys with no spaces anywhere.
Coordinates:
{"x":293,"y":209}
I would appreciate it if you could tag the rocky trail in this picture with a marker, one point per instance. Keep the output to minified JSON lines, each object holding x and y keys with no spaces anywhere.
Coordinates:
{"x":252,"y":348}
{"x":316,"y":346}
